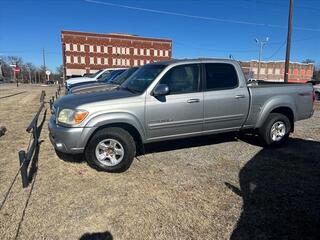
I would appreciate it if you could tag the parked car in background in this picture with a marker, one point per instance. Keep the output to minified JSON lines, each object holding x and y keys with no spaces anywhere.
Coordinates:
{"x":87,"y":75}
{"x":317,"y":91}
{"x":102,"y":86}
{"x":98,"y":75}
{"x":106,"y":78}
{"x":314,"y":82}
{"x":171,"y":100}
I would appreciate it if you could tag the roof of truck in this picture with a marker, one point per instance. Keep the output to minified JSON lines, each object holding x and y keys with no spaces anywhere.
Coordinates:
{"x":192,"y":60}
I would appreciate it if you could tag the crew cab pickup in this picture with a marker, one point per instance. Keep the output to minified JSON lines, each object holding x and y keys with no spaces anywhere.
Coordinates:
{"x":171,"y":100}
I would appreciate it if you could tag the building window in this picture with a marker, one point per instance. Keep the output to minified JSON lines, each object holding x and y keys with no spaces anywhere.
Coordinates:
{"x":254,"y":70}
{"x":123,"y":51}
{"x":75,"y":59}
{"x":270,"y":70}
{"x":67,"y":47}
{"x":128,"y":62}
{"x":68,"y":59}
{"x":105,"y":60}
{"x":148,"y":52}
{"x":302,"y":72}
{"x":118,"y":61}
{"x":155,"y":52}
{"x":114,"y":61}
{"x":277,"y":71}
{"x":75,"y":47}
{"x":98,"y":60}
{"x":82,"y":48}
{"x":91,"y":60}
{"x":166,"y":53}
{"x":148,"y":61}
{"x":123,"y":62}
{"x":90,"y":48}
{"x":82,"y":60}
{"x":105,"y":50}
{"x":114,"y":50}
{"x":161,"y":53}
{"x":141,"y":62}
{"x":128,"y":51}
{"x":98,"y":49}
{"x":135,"y":62}
{"x":135,"y":51}
{"x":141,"y":51}
{"x":118,"y":50}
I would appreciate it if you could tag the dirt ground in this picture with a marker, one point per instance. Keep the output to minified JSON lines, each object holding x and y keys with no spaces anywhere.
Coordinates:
{"x":217,"y":187}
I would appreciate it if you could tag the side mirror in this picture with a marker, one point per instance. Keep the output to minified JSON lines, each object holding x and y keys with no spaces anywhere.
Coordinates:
{"x":161,"y":89}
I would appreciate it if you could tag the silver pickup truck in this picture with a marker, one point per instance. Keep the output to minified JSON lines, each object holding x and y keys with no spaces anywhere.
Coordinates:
{"x":171,"y":100}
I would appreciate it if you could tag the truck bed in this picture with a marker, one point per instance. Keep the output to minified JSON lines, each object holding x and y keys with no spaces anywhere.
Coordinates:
{"x":296,"y":96}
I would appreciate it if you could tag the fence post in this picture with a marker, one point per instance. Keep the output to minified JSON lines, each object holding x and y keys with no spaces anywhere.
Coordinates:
{"x":24,"y":168}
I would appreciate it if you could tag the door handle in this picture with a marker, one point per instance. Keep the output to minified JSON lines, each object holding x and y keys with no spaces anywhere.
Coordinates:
{"x":240,"y":96}
{"x":193,"y":100}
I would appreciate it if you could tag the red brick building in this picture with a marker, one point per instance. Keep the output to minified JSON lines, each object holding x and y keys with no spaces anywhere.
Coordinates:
{"x":85,"y":52}
{"x":274,"y":70}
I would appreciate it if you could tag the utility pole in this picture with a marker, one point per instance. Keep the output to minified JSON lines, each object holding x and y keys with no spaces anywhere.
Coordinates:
{"x":287,"y":63}
{"x":261,"y":45}
{"x":44,"y":63}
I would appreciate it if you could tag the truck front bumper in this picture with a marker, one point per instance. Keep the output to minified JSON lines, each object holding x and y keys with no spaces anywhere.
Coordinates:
{"x":68,"y":140}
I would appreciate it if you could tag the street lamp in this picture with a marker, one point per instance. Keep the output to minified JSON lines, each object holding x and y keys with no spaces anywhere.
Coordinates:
{"x":261,"y":45}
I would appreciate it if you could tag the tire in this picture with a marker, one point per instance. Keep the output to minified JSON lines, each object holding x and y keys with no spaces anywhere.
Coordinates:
{"x":107,"y":143}
{"x":275,"y":120}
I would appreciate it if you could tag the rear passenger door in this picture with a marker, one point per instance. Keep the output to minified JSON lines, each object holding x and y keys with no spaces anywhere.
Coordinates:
{"x":226,"y":103}
{"x":180,"y":111}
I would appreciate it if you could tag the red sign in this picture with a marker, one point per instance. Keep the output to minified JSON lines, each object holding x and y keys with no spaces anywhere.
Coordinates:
{"x":17,"y":70}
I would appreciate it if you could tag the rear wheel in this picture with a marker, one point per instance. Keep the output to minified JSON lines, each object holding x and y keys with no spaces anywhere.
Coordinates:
{"x":111,"y":150}
{"x":276,"y":129}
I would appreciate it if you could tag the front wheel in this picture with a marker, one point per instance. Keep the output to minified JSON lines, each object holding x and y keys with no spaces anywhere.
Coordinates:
{"x":111,"y":150}
{"x":276,"y":129}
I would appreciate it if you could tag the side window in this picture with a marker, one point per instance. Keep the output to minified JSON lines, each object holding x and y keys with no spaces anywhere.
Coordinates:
{"x":220,"y":76}
{"x":182,"y":79}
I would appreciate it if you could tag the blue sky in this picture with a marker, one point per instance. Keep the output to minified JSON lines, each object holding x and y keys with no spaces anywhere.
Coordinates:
{"x":205,"y":28}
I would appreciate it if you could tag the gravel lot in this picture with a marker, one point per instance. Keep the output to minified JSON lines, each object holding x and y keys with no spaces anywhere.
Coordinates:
{"x":216,"y":187}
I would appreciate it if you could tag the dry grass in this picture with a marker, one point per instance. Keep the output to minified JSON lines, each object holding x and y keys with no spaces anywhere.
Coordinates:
{"x":215,"y":187}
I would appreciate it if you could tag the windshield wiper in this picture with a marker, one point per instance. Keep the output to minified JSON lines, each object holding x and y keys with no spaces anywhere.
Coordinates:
{"x":130,"y":89}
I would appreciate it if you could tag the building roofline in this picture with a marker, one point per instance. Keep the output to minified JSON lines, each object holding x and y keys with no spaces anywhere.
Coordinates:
{"x":114,"y":35}
{"x":276,"y":61}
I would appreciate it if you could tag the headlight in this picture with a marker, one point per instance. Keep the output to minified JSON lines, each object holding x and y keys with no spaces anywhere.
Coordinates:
{"x":71,"y":117}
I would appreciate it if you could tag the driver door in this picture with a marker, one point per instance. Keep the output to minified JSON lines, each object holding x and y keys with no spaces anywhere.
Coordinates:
{"x":180,"y":112}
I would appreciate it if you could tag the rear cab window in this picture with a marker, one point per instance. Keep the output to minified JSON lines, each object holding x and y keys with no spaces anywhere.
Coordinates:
{"x":219,"y":76}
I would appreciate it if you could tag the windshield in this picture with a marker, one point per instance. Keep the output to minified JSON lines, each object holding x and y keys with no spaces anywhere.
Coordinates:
{"x":109,"y":76}
{"x":123,"y":76}
{"x":104,"y":75}
{"x":142,"y":78}
{"x":96,"y":74}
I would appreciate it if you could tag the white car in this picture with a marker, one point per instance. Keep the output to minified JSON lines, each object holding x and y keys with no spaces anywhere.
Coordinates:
{"x":93,"y":78}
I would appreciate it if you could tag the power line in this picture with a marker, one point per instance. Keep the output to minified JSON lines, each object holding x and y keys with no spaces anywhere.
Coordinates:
{"x":277,"y":50}
{"x":213,"y":50}
{"x":233,"y":21}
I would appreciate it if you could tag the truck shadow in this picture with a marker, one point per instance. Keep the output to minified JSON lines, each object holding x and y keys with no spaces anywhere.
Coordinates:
{"x":281,"y":193}
{"x":189,"y":142}
{"x":164,"y":146}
